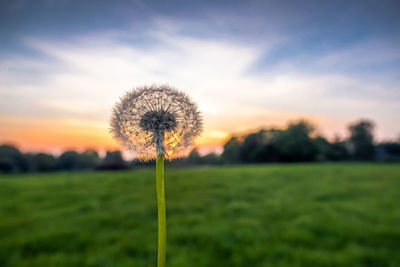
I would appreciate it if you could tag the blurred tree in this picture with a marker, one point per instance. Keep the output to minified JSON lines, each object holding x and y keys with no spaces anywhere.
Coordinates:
{"x":337,"y":150}
{"x":141,"y":163}
{"x":361,"y":140}
{"x":70,"y":160}
{"x":231,"y":153}
{"x":295,"y":143}
{"x":45,"y":162}
{"x":323,"y":147}
{"x":12,"y":160}
{"x":90,"y":159}
{"x":251,"y":150}
{"x":112,"y":161}
{"x":30,"y":161}
{"x":7,"y":164}
{"x":259,"y":147}
{"x":194,"y":157}
{"x":210,"y":159}
{"x":388,"y":151}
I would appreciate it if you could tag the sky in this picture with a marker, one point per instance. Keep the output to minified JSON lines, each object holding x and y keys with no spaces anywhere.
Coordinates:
{"x":248,"y":65}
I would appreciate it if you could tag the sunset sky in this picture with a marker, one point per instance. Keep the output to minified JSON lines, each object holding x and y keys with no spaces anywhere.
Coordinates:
{"x":248,"y":64}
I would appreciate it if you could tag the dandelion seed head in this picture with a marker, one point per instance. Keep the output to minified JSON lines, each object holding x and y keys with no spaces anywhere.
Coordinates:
{"x":156,"y":119}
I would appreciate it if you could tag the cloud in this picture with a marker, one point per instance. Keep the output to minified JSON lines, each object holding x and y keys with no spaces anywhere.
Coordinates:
{"x":90,"y":74}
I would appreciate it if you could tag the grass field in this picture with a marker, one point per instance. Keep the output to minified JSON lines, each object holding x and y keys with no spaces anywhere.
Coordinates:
{"x":260,"y":215}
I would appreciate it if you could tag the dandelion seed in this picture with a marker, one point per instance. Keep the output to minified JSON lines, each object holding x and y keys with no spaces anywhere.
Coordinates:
{"x":156,"y":119}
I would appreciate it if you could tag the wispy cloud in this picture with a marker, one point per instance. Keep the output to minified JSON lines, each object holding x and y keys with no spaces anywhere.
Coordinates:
{"x":80,"y":80}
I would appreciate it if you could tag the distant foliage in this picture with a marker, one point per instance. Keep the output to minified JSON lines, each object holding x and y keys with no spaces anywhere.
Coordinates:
{"x":70,"y":160}
{"x":337,"y":151}
{"x":231,"y":152}
{"x":259,"y":147}
{"x":12,"y":160}
{"x":388,"y":151}
{"x":299,"y":142}
{"x":112,"y":161}
{"x":194,"y":158}
{"x":44,"y":162}
{"x":361,"y":141}
{"x":295,"y":143}
{"x":90,"y":159}
{"x":272,"y":145}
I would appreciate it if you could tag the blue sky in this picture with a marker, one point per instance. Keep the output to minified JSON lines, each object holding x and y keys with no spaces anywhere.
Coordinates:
{"x":247,"y":63}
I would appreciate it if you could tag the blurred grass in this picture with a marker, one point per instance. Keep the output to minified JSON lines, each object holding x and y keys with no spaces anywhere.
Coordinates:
{"x":259,"y":215}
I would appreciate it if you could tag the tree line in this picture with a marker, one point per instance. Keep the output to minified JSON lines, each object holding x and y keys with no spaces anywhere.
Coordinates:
{"x":298,"y":142}
{"x":12,"y":160}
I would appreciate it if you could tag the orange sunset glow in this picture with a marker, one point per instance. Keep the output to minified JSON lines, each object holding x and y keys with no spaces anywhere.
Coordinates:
{"x":57,"y":88}
{"x":55,"y":135}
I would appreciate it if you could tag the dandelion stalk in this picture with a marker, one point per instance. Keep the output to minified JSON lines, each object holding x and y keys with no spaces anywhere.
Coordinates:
{"x":162,"y":225}
{"x":157,"y":122}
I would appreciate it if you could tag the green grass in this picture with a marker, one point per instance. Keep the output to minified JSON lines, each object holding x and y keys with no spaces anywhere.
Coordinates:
{"x":260,"y":215}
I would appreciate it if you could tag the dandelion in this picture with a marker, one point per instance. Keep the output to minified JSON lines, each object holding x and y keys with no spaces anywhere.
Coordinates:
{"x":156,"y":122}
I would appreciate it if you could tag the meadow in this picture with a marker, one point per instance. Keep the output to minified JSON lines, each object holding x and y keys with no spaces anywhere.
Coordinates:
{"x":344,"y":214}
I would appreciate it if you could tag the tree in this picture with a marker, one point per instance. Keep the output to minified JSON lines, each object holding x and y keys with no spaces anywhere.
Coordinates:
{"x":388,"y":151}
{"x":112,"y":161}
{"x":194,"y":157}
{"x":323,"y":147}
{"x":7,"y":164}
{"x":45,"y":162}
{"x":12,"y":160}
{"x":337,"y":150}
{"x":69,"y":160}
{"x":90,"y":159}
{"x":295,"y":143}
{"x":210,"y":159}
{"x":259,"y":147}
{"x":231,"y":150}
{"x":361,"y":140}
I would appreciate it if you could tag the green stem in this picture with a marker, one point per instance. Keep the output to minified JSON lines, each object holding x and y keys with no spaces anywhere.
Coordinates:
{"x":162,"y":229}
